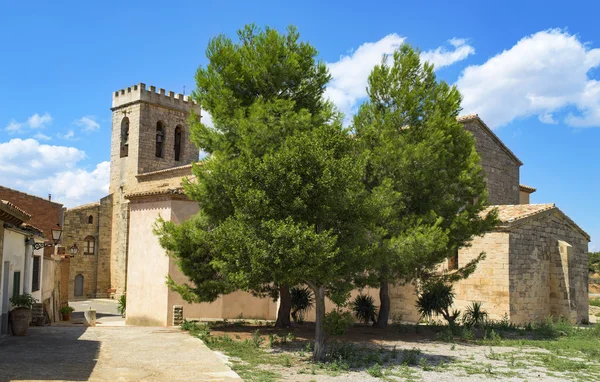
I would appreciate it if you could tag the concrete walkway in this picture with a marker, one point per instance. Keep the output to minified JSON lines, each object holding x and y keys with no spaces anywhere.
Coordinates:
{"x":105,"y":353}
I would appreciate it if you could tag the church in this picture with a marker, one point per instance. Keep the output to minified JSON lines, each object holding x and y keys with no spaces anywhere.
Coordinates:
{"x":535,"y":265}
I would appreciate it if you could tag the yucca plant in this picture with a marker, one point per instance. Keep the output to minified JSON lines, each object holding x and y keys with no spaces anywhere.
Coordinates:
{"x":436,"y":298}
{"x":474,"y":314}
{"x":122,"y":305}
{"x":302,"y":301}
{"x":364,"y":309}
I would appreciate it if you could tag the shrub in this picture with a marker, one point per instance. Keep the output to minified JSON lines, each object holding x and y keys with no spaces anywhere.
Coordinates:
{"x":122,"y":304}
{"x":302,"y":301}
{"x":475,"y":315}
{"x":257,"y":340}
{"x":410,"y":357}
{"x":436,"y":298}
{"x":24,"y":300}
{"x":364,"y":309}
{"x":337,"y":323}
{"x":66,"y":310}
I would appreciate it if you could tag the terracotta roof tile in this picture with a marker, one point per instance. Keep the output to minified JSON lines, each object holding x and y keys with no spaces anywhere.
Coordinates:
{"x":527,"y":189}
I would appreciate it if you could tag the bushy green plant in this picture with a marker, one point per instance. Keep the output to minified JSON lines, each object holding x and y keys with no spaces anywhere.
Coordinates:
{"x":436,"y":298}
{"x":24,"y":300}
{"x":375,"y":371}
{"x":337,"y":323}
{"x":302,"y":301}
{"x":66,"y":310}
{"x":475,"y":315}
{"x":364,"y":309}
{"x":257,"y":340}
{"x":122,"y":304}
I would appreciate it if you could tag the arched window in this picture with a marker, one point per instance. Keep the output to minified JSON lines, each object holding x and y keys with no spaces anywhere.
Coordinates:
{"x":178,"y":141}
{"x":160,"y":139}
{"x":90,"y":219}
{"x":89,"y":245}
{"x":124,"y":137}
{"x":78,"y":292}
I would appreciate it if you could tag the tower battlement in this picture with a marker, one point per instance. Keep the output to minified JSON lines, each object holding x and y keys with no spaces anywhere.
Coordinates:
{"x":139,"y":93}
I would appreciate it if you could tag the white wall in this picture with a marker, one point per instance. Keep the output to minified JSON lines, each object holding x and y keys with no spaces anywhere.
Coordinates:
{"x":40,"y":252}
{"x":14,"y":252}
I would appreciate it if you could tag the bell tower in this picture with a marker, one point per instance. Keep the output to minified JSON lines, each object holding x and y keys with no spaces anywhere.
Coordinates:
{"x":149,"y":133}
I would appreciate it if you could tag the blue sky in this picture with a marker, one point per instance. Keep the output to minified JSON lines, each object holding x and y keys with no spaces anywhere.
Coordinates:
{"x":528,"y":68}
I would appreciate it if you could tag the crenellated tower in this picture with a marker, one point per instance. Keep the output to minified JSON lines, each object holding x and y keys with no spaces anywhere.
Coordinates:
{"x":150,"y":132}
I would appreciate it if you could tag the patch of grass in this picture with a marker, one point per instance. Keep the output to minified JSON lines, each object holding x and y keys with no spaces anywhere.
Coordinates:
{"x":595,"y":302}
{"x":375,"y":371}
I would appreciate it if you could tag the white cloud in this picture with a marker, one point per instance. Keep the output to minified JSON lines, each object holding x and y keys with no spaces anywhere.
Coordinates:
{"x":207,"y":118}
{"x":28,"y":165}
{"x":69,"y":136}
{"x":539,"y":76}
{"x":36,"y":121}
{"x":442,"y":57}
{"x":76,"y":187}
{"x":13,"y":126}
{"x":42,"y":137}
{"x":88,"y":123}
{"x":349,"y":75}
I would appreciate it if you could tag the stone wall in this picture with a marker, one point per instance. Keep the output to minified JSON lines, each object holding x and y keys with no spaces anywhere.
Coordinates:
{"x":143,"y":108}
{"x":77,"y":228}
{"x":45,"y":214}
{"x":548,"y":270}
{"x":502,"y":171}
{"x":104,"y":245}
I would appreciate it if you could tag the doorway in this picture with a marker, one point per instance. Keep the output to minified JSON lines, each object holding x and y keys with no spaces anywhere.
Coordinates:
{"x":79,"y":285}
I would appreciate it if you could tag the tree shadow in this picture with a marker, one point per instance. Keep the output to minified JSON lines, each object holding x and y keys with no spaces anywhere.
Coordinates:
{"x":48,"y":353}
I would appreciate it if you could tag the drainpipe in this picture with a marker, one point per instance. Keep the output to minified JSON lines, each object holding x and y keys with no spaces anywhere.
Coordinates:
{"x":26,"y":271}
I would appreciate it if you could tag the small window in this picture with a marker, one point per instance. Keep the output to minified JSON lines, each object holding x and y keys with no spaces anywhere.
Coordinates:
{"x":178,"y":140}
{"x":35,"y":282}
{"x":16,"y":283}
{"x":90,"y":219}
{"x":89,"y":245}
{"x":124,"y":137}
{"x":160,"y":139}
{"x":453,"y":262}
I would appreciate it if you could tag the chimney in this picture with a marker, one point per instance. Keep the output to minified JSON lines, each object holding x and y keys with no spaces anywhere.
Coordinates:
{"x":50,"y":197}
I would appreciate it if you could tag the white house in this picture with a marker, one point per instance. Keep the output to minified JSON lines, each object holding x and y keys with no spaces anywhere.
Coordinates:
{"x":21,"y":266}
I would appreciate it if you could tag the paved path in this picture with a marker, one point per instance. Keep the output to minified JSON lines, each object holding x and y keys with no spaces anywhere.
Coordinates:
{"x":107,"y":313}
{"x":104,"y":353}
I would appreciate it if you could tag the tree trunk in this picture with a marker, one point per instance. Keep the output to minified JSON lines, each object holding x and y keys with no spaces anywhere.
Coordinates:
{"x":319,"y":350}
{"x":384,"y":308}
{"x":285,"y":307}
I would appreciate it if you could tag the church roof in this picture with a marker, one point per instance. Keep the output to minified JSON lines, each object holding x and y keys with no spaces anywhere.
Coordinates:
{"x":515,"y":215}
{"x":475,"y":118}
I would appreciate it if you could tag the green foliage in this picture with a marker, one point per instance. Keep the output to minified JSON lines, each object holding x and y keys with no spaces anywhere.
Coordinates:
{"x":364,"y":309}
{"x":436,"y":298}
{"x":594,"y":262}
{"x":337,"y":323}
{"x":375,"y":371}
{"x":475,"y":315}
{"x":423,"y":174}
{"x":257,"y":340}
{"x":410,"y":356}
{"x":595,"y":302}
{"x":24,"y":300}
{"x":66,"y":309}
{"x":302,"y":301}
{"x":122,"y":306}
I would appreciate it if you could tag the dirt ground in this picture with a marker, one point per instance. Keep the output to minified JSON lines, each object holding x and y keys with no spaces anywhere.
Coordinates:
{"x":443,"y":361}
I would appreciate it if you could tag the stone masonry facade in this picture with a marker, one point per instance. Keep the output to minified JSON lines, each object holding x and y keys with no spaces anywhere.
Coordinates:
{"x":136,"y":114}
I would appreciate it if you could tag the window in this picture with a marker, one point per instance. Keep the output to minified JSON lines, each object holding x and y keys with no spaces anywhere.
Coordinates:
{"x":90,"y":219}
{"x":124,"y":137}
{"x":89,"y":245}
{"x":453,"y":262}
{"x":160,"y":139}
{"x":16,"y":283}
{"x":35,"y":282}
{"x":178,"y":139}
